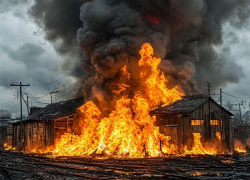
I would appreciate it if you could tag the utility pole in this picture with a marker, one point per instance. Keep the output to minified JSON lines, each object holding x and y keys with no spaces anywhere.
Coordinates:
{"x":221,"y":123}
{"x":27,"y":103}
{"x":208,"y":88}
{"x":208,"y":126}
{"x":21,"y":116}
{"x":240,"y":115}
{"x":52,"y":92}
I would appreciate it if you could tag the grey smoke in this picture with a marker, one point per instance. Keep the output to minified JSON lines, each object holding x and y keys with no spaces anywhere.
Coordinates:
{"x":111,"y":33}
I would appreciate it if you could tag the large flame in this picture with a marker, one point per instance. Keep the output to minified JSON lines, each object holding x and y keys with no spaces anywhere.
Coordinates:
{"x":241,"y":150}
{"x":239,"y":146}
{"x":129,"y":130}
{"x":8,"y":147}
{"x":197,"y":147}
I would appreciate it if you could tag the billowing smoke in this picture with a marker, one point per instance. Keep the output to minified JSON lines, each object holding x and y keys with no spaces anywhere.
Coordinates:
{"x":111,"y":32}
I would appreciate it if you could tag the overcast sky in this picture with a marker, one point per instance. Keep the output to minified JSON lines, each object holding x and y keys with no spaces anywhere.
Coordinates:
{"x":26,"y":56}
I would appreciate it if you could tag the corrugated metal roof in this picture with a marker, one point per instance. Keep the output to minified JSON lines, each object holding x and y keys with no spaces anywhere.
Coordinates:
{"x":57,"y":110}
{"x":186,"y":105}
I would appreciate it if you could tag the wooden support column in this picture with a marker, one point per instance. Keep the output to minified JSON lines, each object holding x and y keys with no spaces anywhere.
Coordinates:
{"x":67,"y":124}
{"x":54,"y":132}
{"x":45,"y":136}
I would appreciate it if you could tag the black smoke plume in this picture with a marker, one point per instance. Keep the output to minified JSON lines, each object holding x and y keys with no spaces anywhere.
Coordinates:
{"x":111,"y":32}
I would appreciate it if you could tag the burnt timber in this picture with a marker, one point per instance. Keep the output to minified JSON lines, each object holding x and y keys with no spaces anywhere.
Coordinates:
{"x":15,"y":165}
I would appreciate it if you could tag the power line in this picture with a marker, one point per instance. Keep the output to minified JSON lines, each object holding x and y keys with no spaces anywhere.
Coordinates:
{"x":52,"y":92}
{"x":62,"y":92}
{"x":25,"y":102}
{"x":54,"y":80}
{"x":8,"y":103}
{"x":44,"y":96}
{"x":235,"y":96}
{"x":39,"y":97}
{"x":39,"y":101}
{"x":14,"y":105}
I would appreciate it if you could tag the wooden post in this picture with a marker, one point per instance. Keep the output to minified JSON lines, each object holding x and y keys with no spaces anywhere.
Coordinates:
{"x":208,"y":128}
{"x":54,"y":132}
{"x":67,"y":124}
{"x":221,"y":123}
{"x":45,"y":137}
{"x":21,"y":114}
{"x":240,"y":115}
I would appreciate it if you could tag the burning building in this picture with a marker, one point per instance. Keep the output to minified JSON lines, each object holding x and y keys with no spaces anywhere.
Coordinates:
{"x":196,"y":114}
{"x":41,"y":128}
{"x":3,"y":130}
{"x":180,"y":122}
{"x":151,"y":121}
{"x":132,"y":57}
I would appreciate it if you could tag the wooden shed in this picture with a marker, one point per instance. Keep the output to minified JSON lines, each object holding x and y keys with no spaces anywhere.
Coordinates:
{"x":43,"y":127}
{"x":3,"y":130}
{"x":195,"y":114}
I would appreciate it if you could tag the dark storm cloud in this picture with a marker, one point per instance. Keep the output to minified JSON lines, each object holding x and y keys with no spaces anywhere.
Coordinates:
{"x":27,"y":54}
{"x":183,"y":32}
{"x":60,"y":20}
{"x":30,"y":66}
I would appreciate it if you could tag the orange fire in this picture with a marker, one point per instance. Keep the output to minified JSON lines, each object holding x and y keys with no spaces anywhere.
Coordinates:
{"x":129,"y":130}
{"x":239,"y":146}
{"x":218,"y":135}
{"x":8,"y":147}
{"x":241,"y":150}
{"x":198,"y":148}
{"x":198,"y":173}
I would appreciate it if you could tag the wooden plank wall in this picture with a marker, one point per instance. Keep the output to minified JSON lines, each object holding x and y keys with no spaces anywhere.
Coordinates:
{"x":61,"y":126}
{"x":171,"y":126}
{"x":41,"y":134}
{"x":9,"y":134}
{"x":202,"y":113}
{"x":49,"y":133}
{"x":186,"y":130}
{"x":34,"y":135}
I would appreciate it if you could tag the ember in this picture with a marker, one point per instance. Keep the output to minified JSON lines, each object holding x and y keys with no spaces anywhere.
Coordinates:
{"x":153,"y":19}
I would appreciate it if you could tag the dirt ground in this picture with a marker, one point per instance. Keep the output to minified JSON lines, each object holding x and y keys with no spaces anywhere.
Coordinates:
{"x":14,"y":165}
